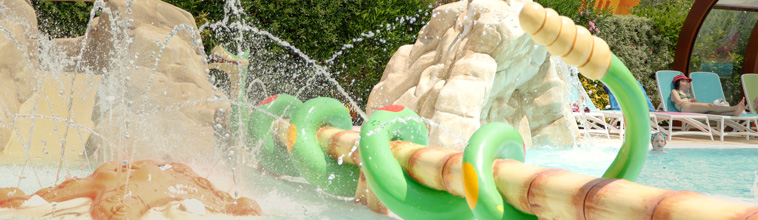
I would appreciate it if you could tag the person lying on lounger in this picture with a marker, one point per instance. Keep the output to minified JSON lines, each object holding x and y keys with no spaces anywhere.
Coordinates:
{"x":684,"y":101}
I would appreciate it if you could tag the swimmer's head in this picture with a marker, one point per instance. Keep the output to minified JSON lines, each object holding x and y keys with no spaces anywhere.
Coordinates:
{"x":658,"y":140}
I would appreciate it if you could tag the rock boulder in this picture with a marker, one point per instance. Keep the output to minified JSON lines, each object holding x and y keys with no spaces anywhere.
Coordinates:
{"x":472,"y":64}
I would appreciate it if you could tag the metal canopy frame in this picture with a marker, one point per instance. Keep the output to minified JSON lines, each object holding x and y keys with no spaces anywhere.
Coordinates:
{"x":694,"y":21}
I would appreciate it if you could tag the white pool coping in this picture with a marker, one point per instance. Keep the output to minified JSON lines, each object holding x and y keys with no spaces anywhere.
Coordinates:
{"x":729,"y":142}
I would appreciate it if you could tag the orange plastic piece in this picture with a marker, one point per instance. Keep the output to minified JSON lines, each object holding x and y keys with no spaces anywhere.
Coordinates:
{"x":618,"y":7}
{"x":128,"y":192}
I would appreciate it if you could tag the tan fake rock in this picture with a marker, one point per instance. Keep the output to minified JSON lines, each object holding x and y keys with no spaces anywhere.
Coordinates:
{"x":153,"y":83}
{"x":46,"y":129}
{"x":18,"y":29}
{"x":155,"y":91}
{"x":472,"y":64}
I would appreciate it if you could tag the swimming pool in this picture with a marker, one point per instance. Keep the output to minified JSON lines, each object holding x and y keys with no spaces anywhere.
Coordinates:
{"x":726,"y":174}
{"x":723,"y":173}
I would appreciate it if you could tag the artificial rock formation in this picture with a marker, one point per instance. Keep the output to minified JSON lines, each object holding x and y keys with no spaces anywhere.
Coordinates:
{"x":158,"y":93}
{"x":472,"y":64}
{"x":18,"y":28}
{"x":153,"y":87}
{"x":36,"y":93}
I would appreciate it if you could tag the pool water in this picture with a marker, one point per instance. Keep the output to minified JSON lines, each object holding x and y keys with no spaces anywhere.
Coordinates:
{"x":723,"y":173}
{"x":30,"y":180}
{"x":727,"y":174}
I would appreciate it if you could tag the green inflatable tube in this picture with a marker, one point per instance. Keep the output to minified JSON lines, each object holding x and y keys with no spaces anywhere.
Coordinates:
{"x":273,"y":157}
{"x":398,"y":191}
{"x":631,"y":157}
{"x":492,"y":141}
{"x":317,"y":167}
{"x":497,"y":140}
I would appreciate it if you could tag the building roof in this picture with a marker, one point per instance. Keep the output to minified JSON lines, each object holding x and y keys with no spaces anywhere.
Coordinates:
{"x":741,"y":5}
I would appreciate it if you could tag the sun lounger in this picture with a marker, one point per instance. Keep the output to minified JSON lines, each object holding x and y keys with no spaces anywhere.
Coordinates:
{"x":593,"y":121}
{"x":707,"y":88}
{"x":603,"y":121}
{"x":617,"y":119}
{"x":750,"y":86}
{"x":614,"y":104}
{"x":692,"y":123}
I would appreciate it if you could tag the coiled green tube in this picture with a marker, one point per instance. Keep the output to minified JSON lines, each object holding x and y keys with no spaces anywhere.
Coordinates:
{"x":308,"y":156}
{"x":398,"y":191}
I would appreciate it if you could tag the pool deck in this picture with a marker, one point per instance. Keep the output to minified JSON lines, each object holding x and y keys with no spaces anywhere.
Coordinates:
{"x":689,"y":142}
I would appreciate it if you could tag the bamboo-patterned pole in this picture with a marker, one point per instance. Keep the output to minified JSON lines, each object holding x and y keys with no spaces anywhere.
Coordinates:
{"x":547,"y":193}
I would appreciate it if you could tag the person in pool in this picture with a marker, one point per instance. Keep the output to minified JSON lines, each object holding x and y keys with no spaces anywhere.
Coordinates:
{"x":658,"y":140}
{"x":684,"y":101}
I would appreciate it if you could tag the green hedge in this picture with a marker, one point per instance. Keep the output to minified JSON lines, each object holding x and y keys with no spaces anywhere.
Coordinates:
{"x":635,"y":41}
{"x":62,"y":19}
{"x":668,"y":17}
{"x":365,"y":34}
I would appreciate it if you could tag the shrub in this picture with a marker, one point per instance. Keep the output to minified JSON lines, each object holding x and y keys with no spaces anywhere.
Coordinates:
{"x":62,"y":19}
{"x":354,"y":40}
{"x":636,"y":43}
{"x":668,"y":17}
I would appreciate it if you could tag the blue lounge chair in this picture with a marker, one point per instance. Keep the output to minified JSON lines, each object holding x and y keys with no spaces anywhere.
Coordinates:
{"x":614,"y":104}
{"x":596,"y":120}
{"x":750,"y":86}
{"x":707,"y":88}
{"x":617,"y":119}
{"x":692,"y":123}
{"x":593,"y":121}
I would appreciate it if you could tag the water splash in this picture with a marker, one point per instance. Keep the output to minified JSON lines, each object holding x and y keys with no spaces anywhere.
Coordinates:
{"x":129,"y":113}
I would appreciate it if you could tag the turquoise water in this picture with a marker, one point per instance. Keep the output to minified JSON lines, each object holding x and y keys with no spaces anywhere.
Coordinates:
{"x":723,"y":173}
{"x":726,"y":174}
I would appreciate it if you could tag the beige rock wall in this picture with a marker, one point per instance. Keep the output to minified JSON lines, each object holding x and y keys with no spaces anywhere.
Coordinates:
{"x":153,"y":102}
{"x":471,"y":65}
{"x":18,"y":31}
{"x":162,"y":110}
